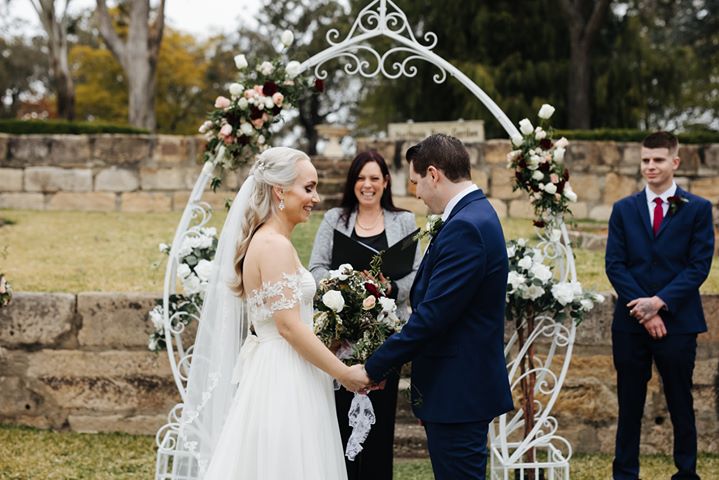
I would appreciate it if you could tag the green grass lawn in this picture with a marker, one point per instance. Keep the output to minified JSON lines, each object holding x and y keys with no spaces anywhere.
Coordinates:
{"x":26,"y":453}
{"x":97,"y":251}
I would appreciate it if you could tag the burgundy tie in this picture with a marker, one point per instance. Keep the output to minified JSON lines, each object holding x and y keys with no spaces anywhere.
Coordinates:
{"x":658,"y":215}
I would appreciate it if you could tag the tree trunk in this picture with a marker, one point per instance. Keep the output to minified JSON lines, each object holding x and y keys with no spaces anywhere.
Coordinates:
{"x":138,"y":57}
{"x":310,"y":117}
{"x":582,"y":33}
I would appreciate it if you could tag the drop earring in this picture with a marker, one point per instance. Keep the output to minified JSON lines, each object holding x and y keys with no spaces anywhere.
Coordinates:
{"x":281,"y":206}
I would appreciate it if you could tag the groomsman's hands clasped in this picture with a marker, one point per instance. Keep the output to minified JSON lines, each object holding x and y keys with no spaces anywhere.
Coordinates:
{"x":646,"y":311}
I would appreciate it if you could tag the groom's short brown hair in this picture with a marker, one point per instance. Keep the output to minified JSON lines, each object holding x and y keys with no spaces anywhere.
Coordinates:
{"x":446,"y":153}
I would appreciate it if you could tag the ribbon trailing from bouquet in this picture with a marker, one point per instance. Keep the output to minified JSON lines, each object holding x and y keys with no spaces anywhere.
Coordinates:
{"x":361,"y":417}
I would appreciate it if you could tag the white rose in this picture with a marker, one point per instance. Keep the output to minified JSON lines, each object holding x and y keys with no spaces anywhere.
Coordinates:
{"x":559,"y":154}
{"x":164,"y":247}
{"x":515,"y":279}
{"x":152,"y":344}
{"x":292,"y":69}
{"x":521,"y":242}
{"x":546,"y":111}
{"x":261,"y":140}
{"x":157,"y":318}
{"x":540,"y":134}
{"x":541,"y":272}
{"x":236,"y":89}
{"x":266,"y":68}
{"x":205,"y":126}
{"x":203,"y":269}
{"x":242,"y":103}
{"x":537,"y":175}
{"x":576,"y":288}
{"x":183,"y":271}
{"x":526,"y":262}
{"x":517,"y":140}
{"x":586,"y":304}
{"x":526,"y":127}
{"x":287,"y":38}
{"x":532,"y":292}
{"x":192,"y":284}
{"x":510,"y":251}
{"x":240,"y":62}
{"x":247,"y":129}
{"x":269,"y":103}
{"x":569,"y":193}
{"x":599,"y":298}
{"x":533,"y":163}
{"x":369,"y":303}
{"x":388,"y":304}
{"x":550,"y":188}
{"x":563,"y":292}
{"x":562,"y":143}
{"x":334,"y":300}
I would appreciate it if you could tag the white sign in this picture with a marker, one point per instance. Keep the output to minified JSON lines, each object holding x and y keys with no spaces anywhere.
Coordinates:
{"x":465,"y":130}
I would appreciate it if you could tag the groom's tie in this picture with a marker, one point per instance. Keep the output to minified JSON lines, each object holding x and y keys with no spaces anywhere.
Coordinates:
{"x":658,"y":215}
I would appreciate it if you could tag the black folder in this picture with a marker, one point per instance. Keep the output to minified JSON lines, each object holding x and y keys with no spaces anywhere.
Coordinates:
{"x":397,"y":260}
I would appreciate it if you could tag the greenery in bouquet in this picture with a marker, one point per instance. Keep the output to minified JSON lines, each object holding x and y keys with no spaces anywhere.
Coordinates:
{"x":353,"y":315}
{"x":538,"y":164}
{"x":239,"y":127}
{"x":533,"y":290}
{"x":194,"y":258}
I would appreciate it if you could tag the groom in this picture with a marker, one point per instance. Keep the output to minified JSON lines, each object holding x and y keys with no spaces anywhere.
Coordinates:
{"x":454,"y":336}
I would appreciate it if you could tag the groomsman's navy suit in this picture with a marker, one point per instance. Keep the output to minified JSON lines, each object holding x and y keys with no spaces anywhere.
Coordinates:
{"x":671,"y":265}
{"x":454,"y":339}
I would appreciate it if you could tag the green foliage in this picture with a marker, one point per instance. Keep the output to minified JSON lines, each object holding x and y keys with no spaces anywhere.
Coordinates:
{"x":61,"y":126}
{"x":23,"y":65}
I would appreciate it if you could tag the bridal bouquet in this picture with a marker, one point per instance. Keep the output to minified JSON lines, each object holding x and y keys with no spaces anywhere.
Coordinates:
{"x":353,"y":315}
{"x":538,"y":163}
{"x":238,"y":127}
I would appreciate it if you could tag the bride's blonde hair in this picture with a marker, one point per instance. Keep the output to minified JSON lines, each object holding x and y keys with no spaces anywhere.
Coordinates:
{"x":275,"y":167}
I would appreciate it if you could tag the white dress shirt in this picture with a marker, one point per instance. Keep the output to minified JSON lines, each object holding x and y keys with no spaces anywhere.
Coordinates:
{"x":455,"y":200}
{"x":665,"y":203}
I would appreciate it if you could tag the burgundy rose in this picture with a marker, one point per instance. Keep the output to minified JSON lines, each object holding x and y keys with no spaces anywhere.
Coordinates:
{"x":535,"y":187}
{"x":560,"y":186}
{"x":319,"y":85}
{"x":545,"y":144}
{"x":565,"y":175}
{"x":544,"y":167}
{"x":255,"y":113}
{"x":539,"y":223}
{"x":522,"y":162}
{"x":243,"y":139}
{"x":276,"y":110}
{"x":372,"y":289}
{"x":269,"y":88}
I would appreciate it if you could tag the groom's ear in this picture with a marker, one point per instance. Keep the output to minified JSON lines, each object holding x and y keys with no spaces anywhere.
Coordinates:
{"x":433,"y":172}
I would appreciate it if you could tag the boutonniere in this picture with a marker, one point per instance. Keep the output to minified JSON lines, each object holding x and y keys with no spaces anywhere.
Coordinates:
{"x":434,"y":225}
{"x":675,"y":203}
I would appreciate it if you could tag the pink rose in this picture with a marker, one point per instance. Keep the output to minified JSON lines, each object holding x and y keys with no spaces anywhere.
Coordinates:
{"x":277,"y":98}
{"x":226,"y":130}
{"x":258,"y":89}
{"x":554,"y":178}
{"x":222,"y":102}
{"x":229,"y":140}
{"x":258,"y":122}
{"x":369,"y":303}
{"x":249,"y":93}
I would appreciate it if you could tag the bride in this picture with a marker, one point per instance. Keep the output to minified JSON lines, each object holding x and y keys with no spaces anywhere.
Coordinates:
{"x":265,"y":410}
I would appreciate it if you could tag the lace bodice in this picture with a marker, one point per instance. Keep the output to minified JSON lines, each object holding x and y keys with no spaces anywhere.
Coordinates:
{"x":293,"y":289}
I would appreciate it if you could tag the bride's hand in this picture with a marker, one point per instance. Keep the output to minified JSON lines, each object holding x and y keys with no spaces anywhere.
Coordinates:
{"x":355,"y":378}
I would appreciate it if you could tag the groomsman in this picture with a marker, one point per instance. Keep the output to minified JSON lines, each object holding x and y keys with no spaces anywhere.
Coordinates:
{"x":659,"y":251}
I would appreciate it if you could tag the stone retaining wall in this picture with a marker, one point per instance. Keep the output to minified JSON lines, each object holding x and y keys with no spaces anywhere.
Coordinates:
{"x":149,"y":173}
{"x":80,"y":362}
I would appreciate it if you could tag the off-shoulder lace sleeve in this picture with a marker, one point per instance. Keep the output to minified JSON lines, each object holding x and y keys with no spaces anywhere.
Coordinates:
{"x":282,"y":294}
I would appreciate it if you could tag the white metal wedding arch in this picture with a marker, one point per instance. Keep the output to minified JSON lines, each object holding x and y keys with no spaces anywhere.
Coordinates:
{"x":551,"y":340}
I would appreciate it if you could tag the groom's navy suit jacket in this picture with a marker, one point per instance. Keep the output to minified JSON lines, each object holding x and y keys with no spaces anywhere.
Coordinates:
{"x":671,"y":265}
{"x":454,"y":336}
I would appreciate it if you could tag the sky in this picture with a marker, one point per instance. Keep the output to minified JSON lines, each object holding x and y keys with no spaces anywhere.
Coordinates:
{"x":199,"y":17}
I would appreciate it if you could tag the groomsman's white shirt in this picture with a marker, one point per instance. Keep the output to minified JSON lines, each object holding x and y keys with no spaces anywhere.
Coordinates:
{"x":665,"y":203}
{"x":455,"y":200}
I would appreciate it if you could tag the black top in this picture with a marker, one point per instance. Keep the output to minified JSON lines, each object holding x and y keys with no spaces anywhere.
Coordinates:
{"x":379,"y":243}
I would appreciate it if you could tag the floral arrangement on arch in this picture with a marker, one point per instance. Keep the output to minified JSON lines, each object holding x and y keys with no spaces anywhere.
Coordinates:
{"x":239,"y":127}
{"x":353,"y":316}
{"x":193,"y":272}
{"x":538,"y":164}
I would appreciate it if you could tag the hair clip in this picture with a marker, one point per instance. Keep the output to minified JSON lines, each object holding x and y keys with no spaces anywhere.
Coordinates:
{"x":260,"y":165}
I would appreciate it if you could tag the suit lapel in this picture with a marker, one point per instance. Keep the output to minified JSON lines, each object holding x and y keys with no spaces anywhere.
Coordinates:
{"x":640,"y":201}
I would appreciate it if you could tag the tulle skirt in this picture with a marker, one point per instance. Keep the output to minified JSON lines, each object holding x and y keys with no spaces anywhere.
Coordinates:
{"x":282,"y":424}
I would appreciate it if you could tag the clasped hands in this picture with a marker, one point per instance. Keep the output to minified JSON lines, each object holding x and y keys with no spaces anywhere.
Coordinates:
{"x":356,"y":380}
{"x":646,"y":311}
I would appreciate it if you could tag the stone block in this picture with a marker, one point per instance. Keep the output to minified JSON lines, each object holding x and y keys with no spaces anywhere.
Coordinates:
{"x":27,"y":150}
{"x":521,"y":209}
{"x":682,"y":182}
{"x":499,"y":206}
{"x":587,"y":398}
{"x":146,"y":202}
{"x":706,"y":187}
{"x":122,"y":150}
{"x":500,"y":184}
{"x":109,"y":381}
{"x":690,"y":161}
{"x":474,"y":156}
{"x":11,"y":179}
{"x":114,"y":320}
{"x":117,"y":180}
{"x":216,"y":200}
{"x":133,"y":425}
{"x":17,"y":398}
{"x":22,"y":201}
{"x":168,"y":178}
{"x":617,"y":187}
{"x":494,"y":152}
{"x":37,"y":319}
{"x":174,"y":151}
{"x":608,"y":153}
{"x":601,"y":213}
{"x":86,"y":202}
{"x":70,"y":151}
{"x":582,"y":156}
{"x":711,"y":156}
{"x":632,"y":154}
{"x":586,"y":187}
{"x":4,"y":142}
{"x":580,"y":210}
{"x":480,"y":178}
{"x":710,"y":304}
{"x":54,"y":179}
{"x":596,"y":329}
